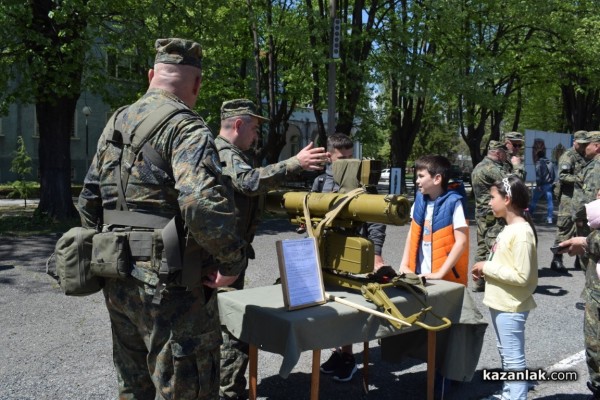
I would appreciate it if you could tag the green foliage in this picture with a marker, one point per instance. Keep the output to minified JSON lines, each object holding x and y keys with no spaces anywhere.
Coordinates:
{"x":21,"y":221}
{"x":21,"y":165}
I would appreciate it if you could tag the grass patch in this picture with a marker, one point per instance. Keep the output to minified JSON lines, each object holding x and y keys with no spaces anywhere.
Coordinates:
{"x":21,"y":221}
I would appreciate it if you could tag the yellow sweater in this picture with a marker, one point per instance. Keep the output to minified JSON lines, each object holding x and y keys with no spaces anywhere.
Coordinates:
{"x":511,"y":273}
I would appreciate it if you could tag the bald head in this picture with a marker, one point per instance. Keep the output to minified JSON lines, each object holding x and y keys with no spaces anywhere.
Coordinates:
{"x":181,"y":80}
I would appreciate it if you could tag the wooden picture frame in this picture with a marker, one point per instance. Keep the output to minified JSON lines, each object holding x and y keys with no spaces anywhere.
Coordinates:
{"x":300,"y":271}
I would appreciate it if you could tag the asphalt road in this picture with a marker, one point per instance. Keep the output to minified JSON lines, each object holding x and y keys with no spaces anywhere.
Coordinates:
{"x":58,"y":347}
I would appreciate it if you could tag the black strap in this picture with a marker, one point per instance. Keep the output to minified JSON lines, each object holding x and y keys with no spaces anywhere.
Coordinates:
{"x":138,"y":142}
{"x":136,"y":219}
{"x":117,"y":140}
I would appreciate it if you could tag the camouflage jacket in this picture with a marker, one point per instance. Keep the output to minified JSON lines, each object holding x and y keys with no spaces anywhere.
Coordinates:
{"x":592,"y":283}
{"x":483,"y":177}
{"x":249,"y":183}
{"x":197,"y":190}
{"x":518,"y":170}
{"x":589,"y":182}
{"x":570,"y":165}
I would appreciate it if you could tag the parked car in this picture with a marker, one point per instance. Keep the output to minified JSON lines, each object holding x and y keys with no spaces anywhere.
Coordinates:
{"x":385,"y":176}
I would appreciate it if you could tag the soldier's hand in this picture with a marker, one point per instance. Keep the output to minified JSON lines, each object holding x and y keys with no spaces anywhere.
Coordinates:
{"x":404,"y":269}
{"x":515,"y":160}
{"x":313,"y":158}
{"x":216,"y":280}
{"x":577,"y":245}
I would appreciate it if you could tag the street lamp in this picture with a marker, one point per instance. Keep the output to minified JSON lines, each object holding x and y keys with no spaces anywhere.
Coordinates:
{"x":86,"y":110}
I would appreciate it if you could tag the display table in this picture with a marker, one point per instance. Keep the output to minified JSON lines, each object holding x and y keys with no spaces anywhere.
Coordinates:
{"x":257,"y":316}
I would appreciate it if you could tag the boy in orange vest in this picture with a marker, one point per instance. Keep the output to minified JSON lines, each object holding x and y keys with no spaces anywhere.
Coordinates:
{"x":437,"y":242}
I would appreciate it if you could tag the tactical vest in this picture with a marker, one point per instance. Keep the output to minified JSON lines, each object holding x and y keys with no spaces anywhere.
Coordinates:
{"x":163,"y":241}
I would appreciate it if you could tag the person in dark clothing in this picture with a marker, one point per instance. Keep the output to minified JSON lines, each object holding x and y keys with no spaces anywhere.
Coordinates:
{"x":341,"y":363}
{"x":544,"y":179}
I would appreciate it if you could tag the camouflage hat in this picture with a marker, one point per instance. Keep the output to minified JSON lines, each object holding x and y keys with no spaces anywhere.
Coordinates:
{"x":233,"y":108}
{"x":594,"y":136}
{"x":581,"y":137}
{"x":496,"y":145}
{"x":513,"y":136}
{"x":178,"y":51}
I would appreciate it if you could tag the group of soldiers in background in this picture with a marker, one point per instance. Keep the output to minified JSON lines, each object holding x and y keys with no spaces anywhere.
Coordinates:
{"x":577,"y":185}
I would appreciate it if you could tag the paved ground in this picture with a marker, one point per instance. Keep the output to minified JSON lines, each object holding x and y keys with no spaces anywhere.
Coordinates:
{"x":58,"y":347}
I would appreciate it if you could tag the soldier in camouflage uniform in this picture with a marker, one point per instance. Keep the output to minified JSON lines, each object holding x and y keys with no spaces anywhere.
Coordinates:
{"x":588,"y":248}
{"x":488,"y":171}
{"x":514,"y":161}
{"x":570,"y":165}
{"x":240,"y":124}
{"x":589,"y":182}
{"x":168,"y":350}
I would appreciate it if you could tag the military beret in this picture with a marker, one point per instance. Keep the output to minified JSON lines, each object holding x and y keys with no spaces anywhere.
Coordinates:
{"x":581,"y":137}
{"x":496,"y":145}
{"x":513,"y":136}
{"x":178,"y":51}
{"x":233,"y":108}
{"x":594,"y":136}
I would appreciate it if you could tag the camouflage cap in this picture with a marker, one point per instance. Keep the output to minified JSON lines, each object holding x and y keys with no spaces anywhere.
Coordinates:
{"x":233,"y":108}
{"x":594,"y":136}
{"x":496,"y":145}
{"x":178,"y":51}
{"x":513,"y":136}
{"x":581,"y":137}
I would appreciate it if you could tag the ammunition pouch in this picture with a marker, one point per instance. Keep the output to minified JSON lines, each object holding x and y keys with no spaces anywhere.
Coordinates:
{"x":111,"y":257}
{"x":72,"y":254}
{"x":172,"y":253}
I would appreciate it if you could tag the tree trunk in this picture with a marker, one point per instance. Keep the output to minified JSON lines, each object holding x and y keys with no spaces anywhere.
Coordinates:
{"x":405,"y":122}
{"x":55,"y":122}
{"x":581,"y":107}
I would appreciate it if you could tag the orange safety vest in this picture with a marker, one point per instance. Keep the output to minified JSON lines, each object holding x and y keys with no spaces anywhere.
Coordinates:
{"x":442,"y":237}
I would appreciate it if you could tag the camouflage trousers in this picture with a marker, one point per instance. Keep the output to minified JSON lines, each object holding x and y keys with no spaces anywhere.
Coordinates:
{"x":167,"y":351}
{"x":488,"y":229}
{"x":565,"y":228}
{"x":591,"y":333}
{"x":234,"y":355}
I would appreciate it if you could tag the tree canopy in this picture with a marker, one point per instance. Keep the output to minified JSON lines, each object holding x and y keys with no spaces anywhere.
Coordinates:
{"x":409,"y":70}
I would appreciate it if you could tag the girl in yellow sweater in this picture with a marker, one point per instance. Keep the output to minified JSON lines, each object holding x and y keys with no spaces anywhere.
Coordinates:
{"x":511,"y":278}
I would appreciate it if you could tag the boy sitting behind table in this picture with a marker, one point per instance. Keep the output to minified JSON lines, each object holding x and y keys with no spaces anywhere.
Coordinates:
{"x":437,"y":241}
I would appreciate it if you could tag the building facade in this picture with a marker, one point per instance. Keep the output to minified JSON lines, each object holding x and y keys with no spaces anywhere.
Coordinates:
{"x":21,"y":121}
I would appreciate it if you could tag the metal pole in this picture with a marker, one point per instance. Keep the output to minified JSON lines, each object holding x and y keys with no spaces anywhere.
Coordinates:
{"x":331,"y":76}
{"x":86,"y":110}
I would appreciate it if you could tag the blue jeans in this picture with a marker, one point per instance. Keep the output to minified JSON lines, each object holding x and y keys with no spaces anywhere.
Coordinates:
{"x":546,"y":189}
{"x":510,"y":339}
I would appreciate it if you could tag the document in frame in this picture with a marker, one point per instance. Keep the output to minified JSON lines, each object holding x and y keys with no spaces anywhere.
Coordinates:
{"x":301,"y":278}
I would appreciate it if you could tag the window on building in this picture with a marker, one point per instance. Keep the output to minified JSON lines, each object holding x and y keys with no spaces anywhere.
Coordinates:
{"x":121,"y":66}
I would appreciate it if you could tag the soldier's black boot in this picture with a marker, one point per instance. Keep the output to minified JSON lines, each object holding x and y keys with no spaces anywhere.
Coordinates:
{"x":557,"y":264}
{"x":577,"y":264}
{"x":595,"y":390}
